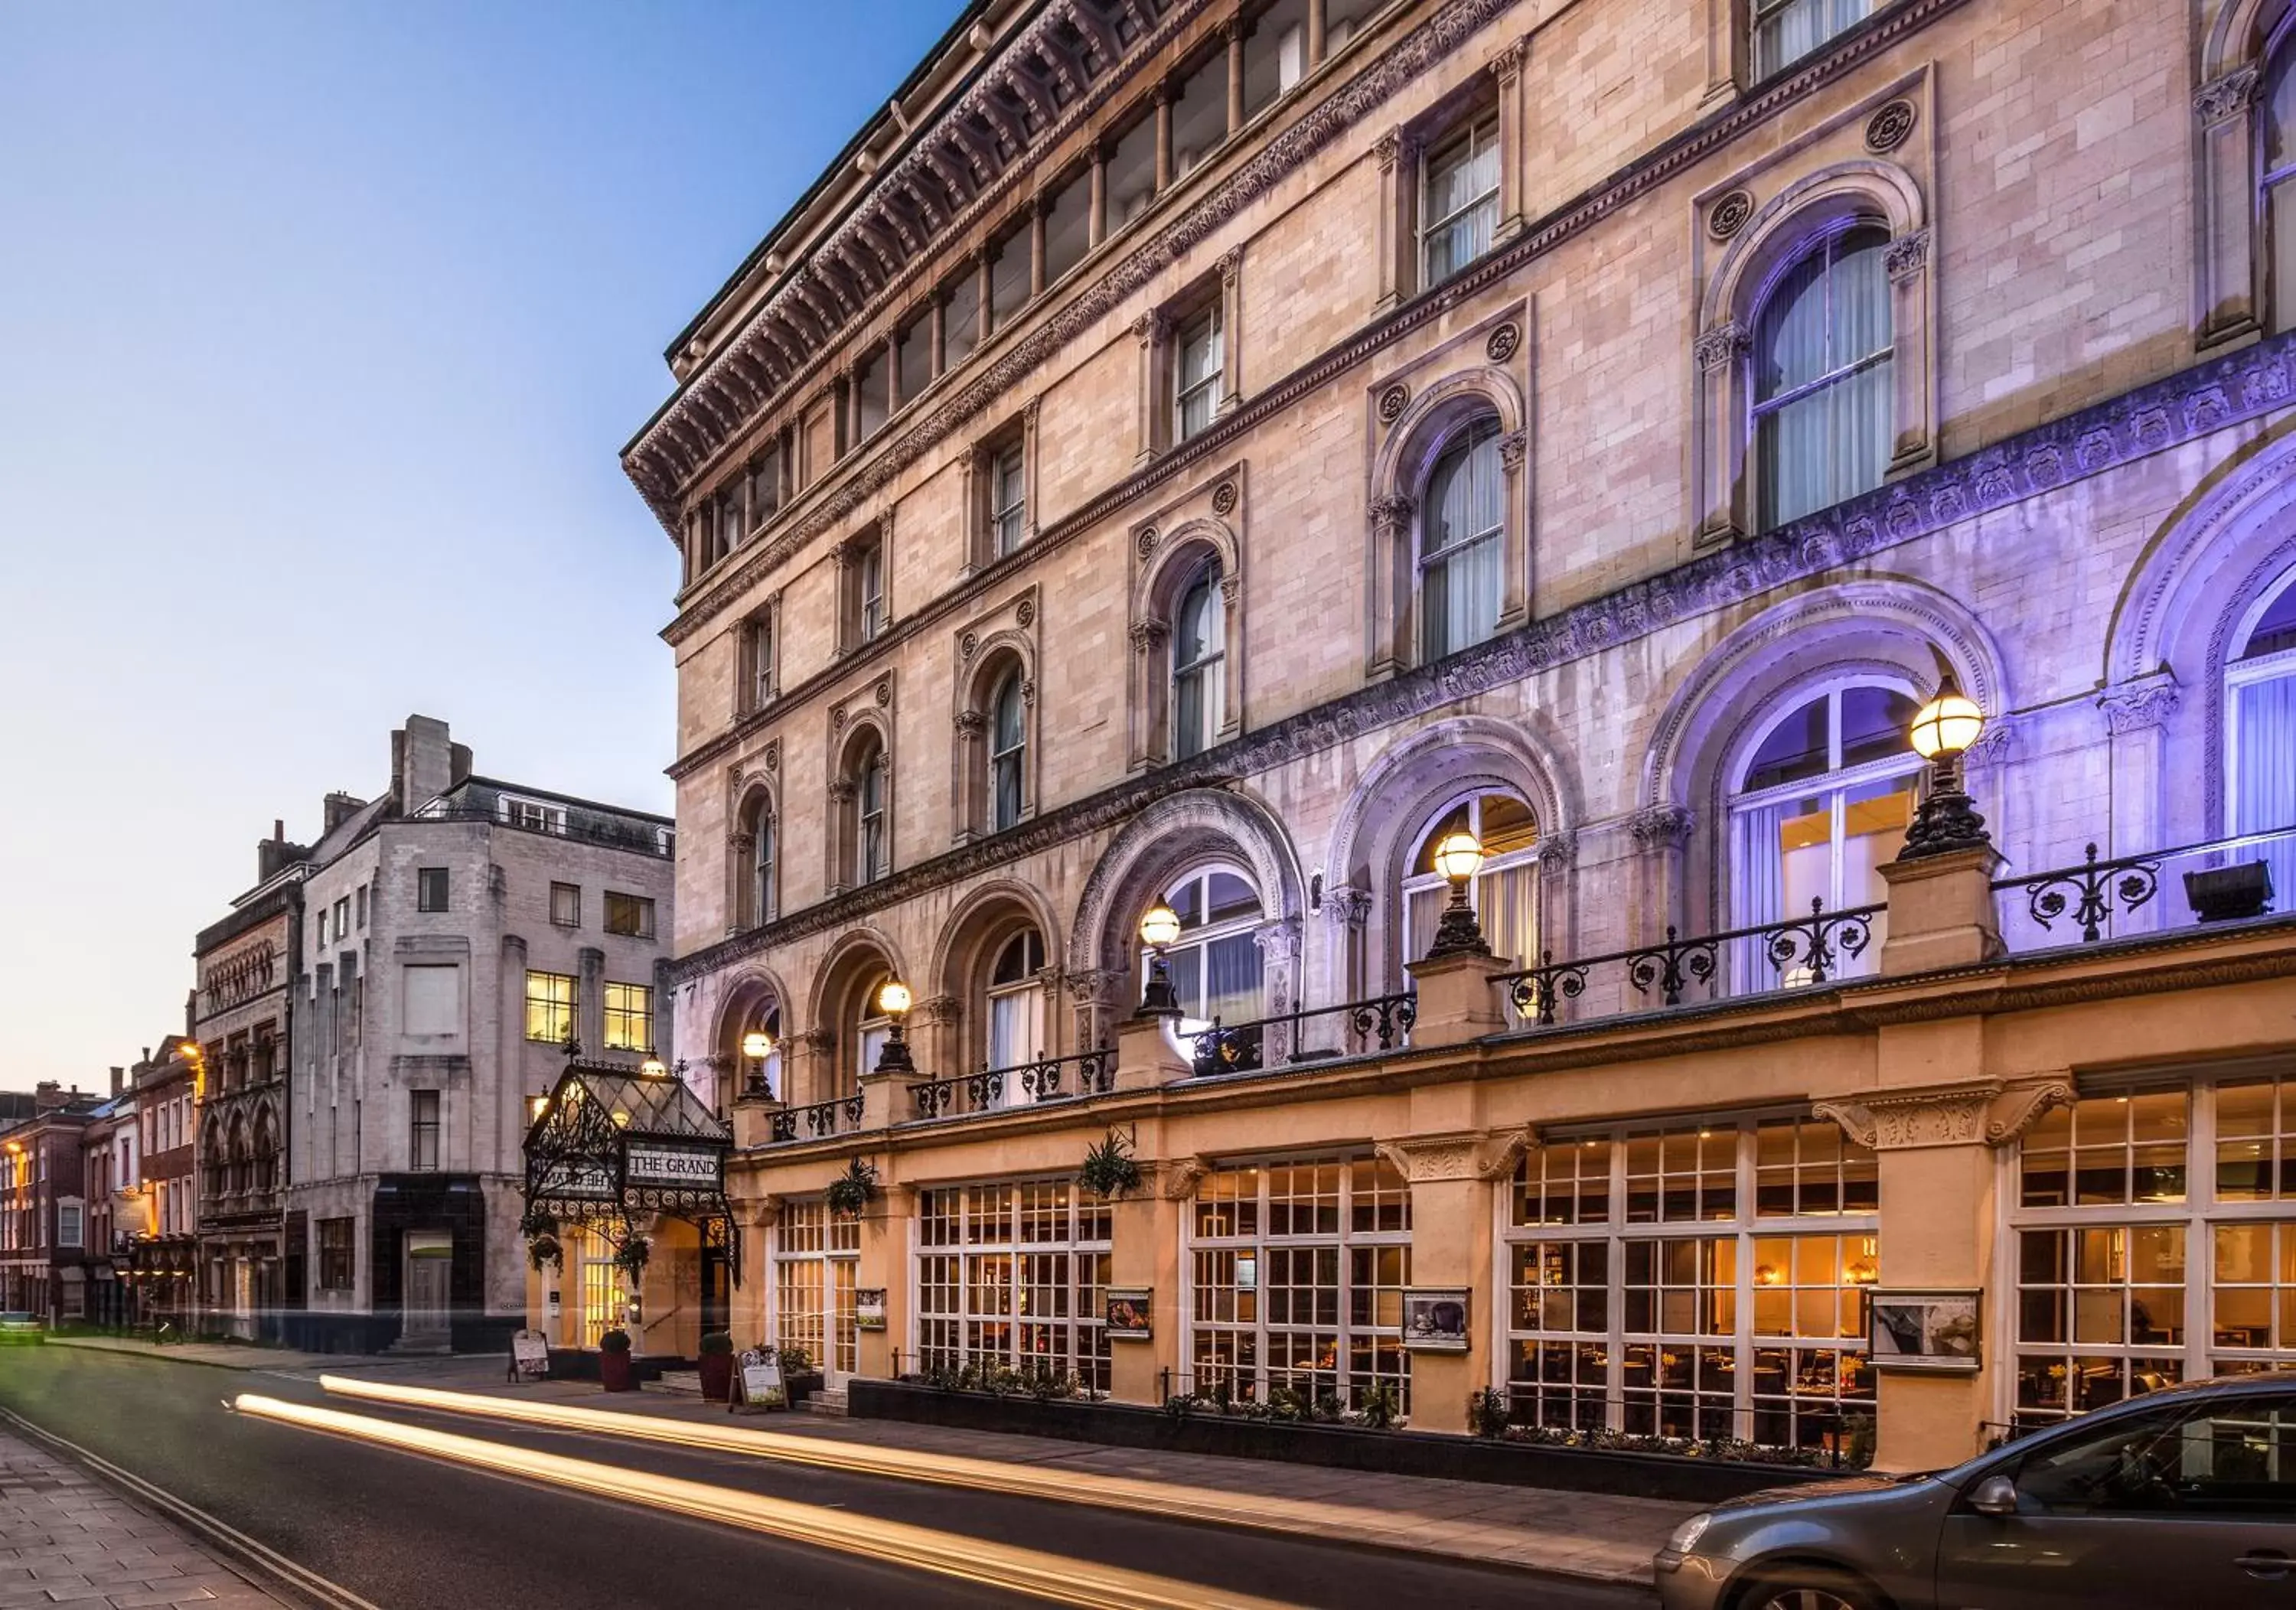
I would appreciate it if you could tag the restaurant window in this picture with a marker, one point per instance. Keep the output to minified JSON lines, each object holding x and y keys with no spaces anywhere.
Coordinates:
{"x":1013,"y":1277}
{"x":816,"y":1260}
{"x":1296,"y":1272}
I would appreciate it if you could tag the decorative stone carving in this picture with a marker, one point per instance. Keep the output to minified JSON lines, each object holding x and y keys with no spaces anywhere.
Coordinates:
{"x":1432,"y":1159}
{"x":837,"y":718}
{"x":1923,"y":1115}
{"x":1278,"y":940}
{"x":1729,"y":213}
{"x":1662,"y":827}
{"x":1347,"y":907}
{"x":774,"y":755}
{"x":2228,"y":96}
{"x":1907,"y":254}
{"x":2020,"y":1106}
{"x":1391,"y":515}
{"x":1889,"y":128}
{"x":1177,"y":1179}
{"x":1151,"y":327}
{"x":970,"y":725}
{"x":1230,"y":590}
{"x":1392,"y":402}
{"x":1025,"y":613}
{"x":1149,"y":636}
{"x":1995,"y":744}
{"x":1224,"y":499}
{"x":1559,"y":849}
{"x":1231,"y":264}
{"x":1028,"y":689}
{"x":842,"y":792}
{"x":1092,"y":987}
{"x":1502,"y":343}
{"x":884,"y":692}
{"x":1721,"y":345}
{"x":968,"y":645}
{"x":1389,"y":148}
{"x":1145,"y":543}
{"x":2135,"y":707}
{"x":940,"y":1008}
{"x":1512,"y":446}
{"x":1507,"y":62}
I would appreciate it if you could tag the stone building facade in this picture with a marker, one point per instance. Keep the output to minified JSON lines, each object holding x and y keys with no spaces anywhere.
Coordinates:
{"x":1196,"y":454}
{"x":459,"y":931}
{"x":241,"y":1018}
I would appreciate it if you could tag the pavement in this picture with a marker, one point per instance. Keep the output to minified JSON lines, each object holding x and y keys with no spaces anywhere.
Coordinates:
{"x":65,"y":1539}
{"x":1593,"y":1536}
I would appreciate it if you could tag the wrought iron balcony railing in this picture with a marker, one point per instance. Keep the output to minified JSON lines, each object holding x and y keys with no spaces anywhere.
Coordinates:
{"x":1379,"y":1022}
{"x":819,"y":1120}
{"x":1091,"y":1073}
{"x":2221,"y":879}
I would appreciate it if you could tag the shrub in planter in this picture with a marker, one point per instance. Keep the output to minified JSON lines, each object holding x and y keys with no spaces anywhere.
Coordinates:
{"x":614,"y":1361}
{"x":717,"y":1366}
{"x":1381,"y":1407}
{"x":1488,"y":1412}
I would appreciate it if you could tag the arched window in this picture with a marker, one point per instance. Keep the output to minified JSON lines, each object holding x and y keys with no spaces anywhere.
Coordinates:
{"x":871,"y":1027}
{"x":1216,"y":962}
{"x":767,"y":859}
{"x":1015,"y":998}
{"x":1008,"y":747}
{"x":763,"y":1016}
{"x":2261,"y":732}
{"x":1821,"y":803}
{"x":1821,"y":371}
{"x":872,"y":832}
{"x":1505,"y":890}
{"x":1199,"y":646}
{"x":2276,"y":162}
{"x":1462,"y":516}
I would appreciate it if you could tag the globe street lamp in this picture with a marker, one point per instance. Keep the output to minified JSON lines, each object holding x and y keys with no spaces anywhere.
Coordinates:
{"x":893,"y":1000}
{"x":654,"y":1067}
{"x":1159,"y":928}
{"x":1943,"y":731}
{"x":757,"y":1045}
{"x":1457,"y":858}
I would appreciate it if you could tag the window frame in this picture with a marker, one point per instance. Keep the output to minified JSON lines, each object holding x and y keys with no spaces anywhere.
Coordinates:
{"x":549,"y":1004}
{"x":336,"y":1266}
{"x":1008,"y":515}
{"x":1209,"y":932}
{"x":565,"y":904}
{"x":1758,"y":12}
{"x":433,"y":889}
{"x":1470,"y":436}
{"x":954,"y":1228}
{"x":1209,"y":322}
{"x":1208,"y":668}
{"x":426,"y":1116}
{"x":1469,"y":132}
{"x":627,"y":1021}
{"x":640,"y":915}
{"x":1826,"y":239}
{"x":1006,"y":759}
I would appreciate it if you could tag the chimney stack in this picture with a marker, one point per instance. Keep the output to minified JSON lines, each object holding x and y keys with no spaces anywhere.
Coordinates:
{"x":118,"y":1079}
{"x":47,"y":1096}
{"x":421,"y":763}
{"x":339,"y":808}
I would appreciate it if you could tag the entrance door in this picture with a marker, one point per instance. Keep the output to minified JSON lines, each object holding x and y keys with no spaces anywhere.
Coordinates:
{"x":428,"y":1315}
{"x":845,"y":1335}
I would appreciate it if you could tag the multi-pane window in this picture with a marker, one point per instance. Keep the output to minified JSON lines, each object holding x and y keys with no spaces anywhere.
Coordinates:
{"x":1787,"y":30}
{"x":758,"y":661}
{"x":603,"y":1306}
{"x":1215,"y":964}
{"x":1649,"y":1295}
{"x":549,"y":1007}
{"x":423,"y":1141}
{"x":2153,"y":1241}
{"x":1198,"y":667}
{"x":629,"y":1017}
{"x":872,"y":842}
{"x":1198,"y":380}
{"x":1008,"y":749}
{"x":1296,"y":1278}
{"x":1461,"y":548}
{"x":528,"y":813}
{"x":1016,"y":1007}
{"x":1505,"y":892}
{"x":2260,"y":729}
{"x":631,"y":915}
{"x":430,"y":889}
{"x":336,"y":1266}
{"x":1459,"y":202}
{"x":764,"y":851}
{"x":869,"y":591}
{"x":566,"y":904}
{"x":1014,"y":1275}
{"x":1821,"y":803}
{"x":1008,"y":501}
{"x":816,"y":1260}
{"x":1822,"y":417}
{"x":68,"y":1224}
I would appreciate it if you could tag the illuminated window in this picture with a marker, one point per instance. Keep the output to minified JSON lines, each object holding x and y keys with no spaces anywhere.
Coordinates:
{"x":1016,"y":1007}
{"x":629,"y":1017}
{"x":816,"y":1260}
{"x":1013,"y":1276}
{"x":1216,"y":963}
{"x":2260,"y":727}
{"x":337,"y":1270}
{"x":549,"y":1007}
{"x":1505,"y":892}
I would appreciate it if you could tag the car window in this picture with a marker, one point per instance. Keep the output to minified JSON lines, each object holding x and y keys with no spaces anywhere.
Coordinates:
{"x":2232,"y":1455}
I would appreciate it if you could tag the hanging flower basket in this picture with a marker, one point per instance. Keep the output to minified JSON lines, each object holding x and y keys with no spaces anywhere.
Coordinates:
{"x":543,"y":1250}
{"x":1109,"y":1170}
{"x":632,"y":1253}
{"x":852,"y":1191}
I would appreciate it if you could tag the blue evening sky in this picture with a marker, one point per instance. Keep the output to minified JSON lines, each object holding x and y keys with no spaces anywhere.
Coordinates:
{"x":320,"y":327}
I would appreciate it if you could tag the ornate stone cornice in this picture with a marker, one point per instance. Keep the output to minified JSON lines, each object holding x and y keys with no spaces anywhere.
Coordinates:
{"x":1462,"y":1156}
{"x":1945,"y":1114}
{"x":2208,"y":397}
{"x":1425,"y":46}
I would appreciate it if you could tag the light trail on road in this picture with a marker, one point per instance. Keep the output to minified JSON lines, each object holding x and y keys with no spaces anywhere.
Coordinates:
{"x":1039,"y":1575}
{"x":1215,"y":1506}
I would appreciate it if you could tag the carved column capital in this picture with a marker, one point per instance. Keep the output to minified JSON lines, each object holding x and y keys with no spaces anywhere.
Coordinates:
{"x":970,"y":725}
{"x":1347,"y":907}
{"x":1462,"y":1155}
{"x":1662,"y":827}
{"x":939,"y":1009}
{"x":1722,"y":344}
{"x":1231,"y":265}
{"x":1278,"y":940}
{"x":2144,"y":702}
{"x":1092,"y":987}
{"x":1558,"y":850}
{"x":1512,"y":446}
{"x":1907,"y":254}
{"x":1149,"y":636}
{"x":2020,"y":1106}
{"x":842,"y":791}
{"x":1178,"y":1178}
{"x":1151,"y":327}
{"x":1506,"y":64}
{"x":2227,"y":96}
{"x":1392,"y":515}
{"x":1914,"y":1116}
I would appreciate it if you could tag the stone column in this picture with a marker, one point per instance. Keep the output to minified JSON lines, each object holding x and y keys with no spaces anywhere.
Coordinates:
{"x":2225,"y":268}
{"x":1907,"y":261}
{"x":936,"y":1050}
{"x":1231,"y":273}
{"x":1506,"y":67}
{"x":2136,"y":715}
{"x":1144,"y":1251}
{"x":939,"y":318}
{"x":985,"y":282}
{"x":1279,"y":963}
{"x":1163,"y":138}
{"x":1396,"y":223}
{"x":1347,"y":969}
{"x":1718,"y":448}
{"x":892,"y":373}
{"x":1233,"y":31}
{"x":1392,"y":581}
{"x":1451,"y":1177}
{"x":885,"y":1228}
{"x":1316,"y":10}
{"x":590,"y":998}
{"x":1093,"y":1000}
{"x":1036,"y":246}
{"x":1662,"y":835}
{"x":1096,"y":228}
{"x":1151,"y":331}
{"x":1514,"y":540}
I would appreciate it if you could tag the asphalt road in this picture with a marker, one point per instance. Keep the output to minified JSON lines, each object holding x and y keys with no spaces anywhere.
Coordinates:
{"x":413,"y":1533}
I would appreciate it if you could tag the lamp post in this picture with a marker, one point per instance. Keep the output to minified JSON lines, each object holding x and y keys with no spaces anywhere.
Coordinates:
{"x":893,"y":1000}
{"x":1942,"y":732}
{"x":1158,"y":928}
{"x":757,"y":1045}
{"x":1457,"y":858}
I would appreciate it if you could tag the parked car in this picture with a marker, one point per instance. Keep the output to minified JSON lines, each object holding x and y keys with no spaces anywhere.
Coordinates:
{"x":2184,"y":1496}
{"x":19,"y":1328}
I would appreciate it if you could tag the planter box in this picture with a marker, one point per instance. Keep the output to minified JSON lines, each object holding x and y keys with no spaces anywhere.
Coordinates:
{"x":801,"y":1387}
{"x":1656,"y":1475}
{"x":716,"y":1372}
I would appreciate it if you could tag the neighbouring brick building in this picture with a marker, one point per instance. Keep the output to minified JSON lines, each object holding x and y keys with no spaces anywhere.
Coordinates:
{"x":1198,"y":456}
{"x":459,"y":932}
{"x":241,"y":1014}
{"x":161,"y":1260}
{"x":44,"y":1236}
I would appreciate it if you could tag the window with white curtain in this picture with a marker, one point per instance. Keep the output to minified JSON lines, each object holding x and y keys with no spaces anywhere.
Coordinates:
{"x":872,"y":1030}
{"x":1016,"y":1007}
{"x":1215,"y":964}
{"x":869,"y":591}
{"x":2276,"y":165}
{"x":1821,"y":378}
{"x":1821,"y":803}
{"x":1460,"y":547}
{"x":1787,"y":30}
{"x":1199,"y":646}
{"x":1505,"y":892}
{"x":871,"y":846}
{"x":763,"y":853}
{"x":1198,"y":383}
{"x":1459,"y":202}
{"x":1008,"y":747}
{"x":1008,"y":500}
{"x":2260,"y":734}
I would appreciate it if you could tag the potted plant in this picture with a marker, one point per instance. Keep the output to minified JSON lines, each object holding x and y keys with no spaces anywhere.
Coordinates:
{"x":799,"y":1378}
{"x":1109,"y":1169}
{"x":632,"y":1252}
{"x":614,"y":1369}
{"x":853,"y":1190}
{"x":717,"y":1366}
{"x":540,"y":1230}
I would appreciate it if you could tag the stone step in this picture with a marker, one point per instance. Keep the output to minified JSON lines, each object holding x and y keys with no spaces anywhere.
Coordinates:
{"x":685,"y":1382}
{"x":828,"y":1401}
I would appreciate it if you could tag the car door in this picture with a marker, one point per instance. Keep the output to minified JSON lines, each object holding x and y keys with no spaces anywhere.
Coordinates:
{"x":2189,"y":1502}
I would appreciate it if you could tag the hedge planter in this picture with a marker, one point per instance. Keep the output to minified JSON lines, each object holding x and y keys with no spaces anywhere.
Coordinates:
{"x":803,"y":1385}
{"x":717,"y":1371}
{"x":1690,"y":1481}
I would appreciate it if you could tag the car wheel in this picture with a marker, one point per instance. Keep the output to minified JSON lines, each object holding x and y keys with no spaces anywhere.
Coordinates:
{"x":1809,"y":1588}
